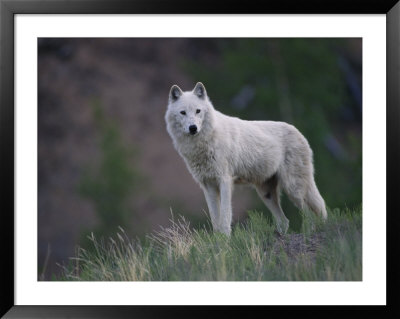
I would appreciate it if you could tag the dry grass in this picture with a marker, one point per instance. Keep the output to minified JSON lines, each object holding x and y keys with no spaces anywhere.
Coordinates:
{"x":322,"y":251}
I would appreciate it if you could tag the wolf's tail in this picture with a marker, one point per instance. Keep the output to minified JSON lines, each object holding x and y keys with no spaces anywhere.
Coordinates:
{"x":315,"y":201}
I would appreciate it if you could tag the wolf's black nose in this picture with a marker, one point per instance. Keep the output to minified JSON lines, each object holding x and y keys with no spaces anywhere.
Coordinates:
{"x":192,"y":129}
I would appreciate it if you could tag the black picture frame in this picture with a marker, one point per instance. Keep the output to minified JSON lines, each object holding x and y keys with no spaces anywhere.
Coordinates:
{"x":8,"y":10}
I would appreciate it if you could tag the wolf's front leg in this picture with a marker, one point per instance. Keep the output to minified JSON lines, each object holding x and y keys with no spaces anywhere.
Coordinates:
{"x":211,"y":193}
{"x":226,"y":185}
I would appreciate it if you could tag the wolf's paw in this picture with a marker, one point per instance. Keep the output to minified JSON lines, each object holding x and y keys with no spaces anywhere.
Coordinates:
{"x":283,"y":227}
{"x":223,"y":230}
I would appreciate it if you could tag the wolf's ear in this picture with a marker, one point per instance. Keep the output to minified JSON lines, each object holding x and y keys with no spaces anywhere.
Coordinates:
{"x":200,"y":90}
{"x":175,"y":93}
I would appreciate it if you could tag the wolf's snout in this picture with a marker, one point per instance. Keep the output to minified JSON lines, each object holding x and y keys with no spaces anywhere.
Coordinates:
{"x":193,"y":129}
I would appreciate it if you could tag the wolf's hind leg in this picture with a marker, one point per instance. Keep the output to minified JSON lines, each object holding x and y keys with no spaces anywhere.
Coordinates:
{"x":269,"y":193}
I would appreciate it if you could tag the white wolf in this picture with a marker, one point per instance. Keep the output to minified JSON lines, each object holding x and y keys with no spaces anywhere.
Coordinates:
{"x":221,"y":151}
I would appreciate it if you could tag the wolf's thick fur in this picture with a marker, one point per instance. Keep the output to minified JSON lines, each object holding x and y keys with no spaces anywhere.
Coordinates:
{"x":225,"y":150}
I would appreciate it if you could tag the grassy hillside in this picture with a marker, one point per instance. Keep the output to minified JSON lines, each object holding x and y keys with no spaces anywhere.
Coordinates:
{"x":255,"y":251}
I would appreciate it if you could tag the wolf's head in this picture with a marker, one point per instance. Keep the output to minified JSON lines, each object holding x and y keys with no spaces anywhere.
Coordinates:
{"x":189,"y":113}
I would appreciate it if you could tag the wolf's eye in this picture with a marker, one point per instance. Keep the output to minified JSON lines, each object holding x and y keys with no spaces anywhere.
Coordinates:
{"x":197,"y":111}
{"x":183,"y":112}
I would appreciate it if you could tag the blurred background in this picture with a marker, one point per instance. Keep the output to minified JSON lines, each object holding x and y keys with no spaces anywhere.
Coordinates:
{"x":106,"y":160}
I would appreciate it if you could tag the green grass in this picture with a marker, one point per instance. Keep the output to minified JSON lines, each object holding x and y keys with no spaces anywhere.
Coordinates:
{"x":254,"y":252}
